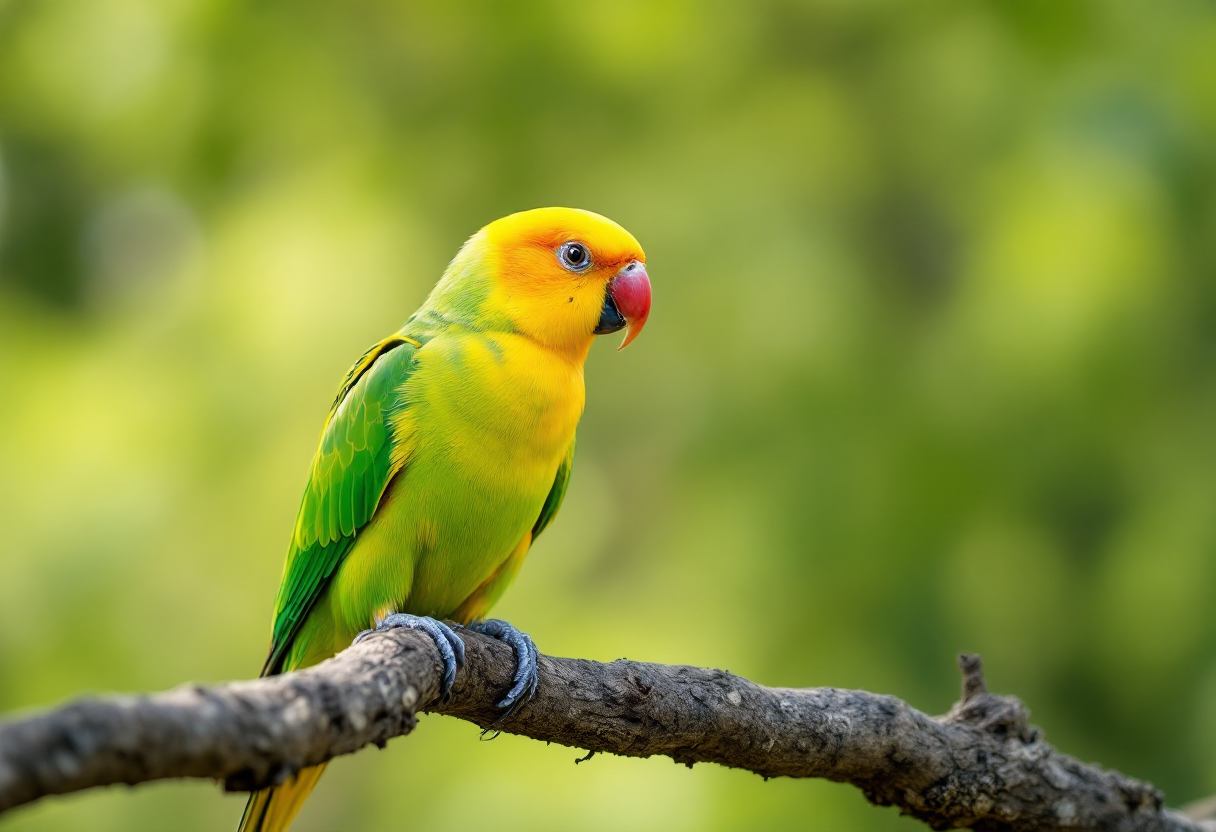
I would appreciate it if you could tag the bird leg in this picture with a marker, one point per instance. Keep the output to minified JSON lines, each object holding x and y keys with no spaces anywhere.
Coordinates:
{"x":526,"y":657}
{"x":451,"y":648}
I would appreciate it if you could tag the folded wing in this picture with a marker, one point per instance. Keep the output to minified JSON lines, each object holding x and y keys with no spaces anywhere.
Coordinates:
{"x":357,"y":458}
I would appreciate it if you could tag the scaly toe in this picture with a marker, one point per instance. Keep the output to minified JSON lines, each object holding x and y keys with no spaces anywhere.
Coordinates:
{"x":451,"y":647}
{"x":523,"y":684}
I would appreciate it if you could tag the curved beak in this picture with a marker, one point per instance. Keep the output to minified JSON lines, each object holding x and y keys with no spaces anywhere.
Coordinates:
{"x":626,"y":303}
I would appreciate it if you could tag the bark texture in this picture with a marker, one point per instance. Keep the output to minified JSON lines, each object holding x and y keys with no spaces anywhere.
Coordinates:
{"x":980,"y":766}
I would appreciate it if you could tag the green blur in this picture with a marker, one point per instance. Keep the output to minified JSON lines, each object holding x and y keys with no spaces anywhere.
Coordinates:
{"x":931,"y":366}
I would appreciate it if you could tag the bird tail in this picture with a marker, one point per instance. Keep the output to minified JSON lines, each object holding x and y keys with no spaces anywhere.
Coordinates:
{"x":272,"y":810}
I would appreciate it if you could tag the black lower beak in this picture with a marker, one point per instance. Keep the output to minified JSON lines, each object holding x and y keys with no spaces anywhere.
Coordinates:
{"x":611,"y":319}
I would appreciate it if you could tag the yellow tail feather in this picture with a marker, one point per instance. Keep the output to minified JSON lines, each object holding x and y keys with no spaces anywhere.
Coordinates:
{"x":272,"y":810}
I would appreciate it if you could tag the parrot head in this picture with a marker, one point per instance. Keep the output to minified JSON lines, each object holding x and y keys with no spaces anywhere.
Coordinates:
{"x":563,"y":276}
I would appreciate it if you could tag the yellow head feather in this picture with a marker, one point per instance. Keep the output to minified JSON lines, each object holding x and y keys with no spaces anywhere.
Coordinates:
{"x":540,"y":297}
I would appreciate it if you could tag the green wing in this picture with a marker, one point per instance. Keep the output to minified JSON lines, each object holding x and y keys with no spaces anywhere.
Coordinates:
{"x":556,"y":494}
{"x":353,"y":466}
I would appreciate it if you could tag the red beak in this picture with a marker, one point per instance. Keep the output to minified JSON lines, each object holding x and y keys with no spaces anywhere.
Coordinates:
{"x":630,"y":291}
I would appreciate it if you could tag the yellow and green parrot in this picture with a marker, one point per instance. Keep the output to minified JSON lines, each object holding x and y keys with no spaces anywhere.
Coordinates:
{"x":447,"y":452}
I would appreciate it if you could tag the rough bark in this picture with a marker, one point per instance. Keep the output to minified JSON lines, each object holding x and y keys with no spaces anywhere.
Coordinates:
{"x":980,"y":766}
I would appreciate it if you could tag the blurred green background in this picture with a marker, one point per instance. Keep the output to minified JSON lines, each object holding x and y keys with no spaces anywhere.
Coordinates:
{"x":932,"y":364}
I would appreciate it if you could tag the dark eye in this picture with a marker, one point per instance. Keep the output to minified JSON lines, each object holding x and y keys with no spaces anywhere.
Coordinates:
{"x":574,"y":256}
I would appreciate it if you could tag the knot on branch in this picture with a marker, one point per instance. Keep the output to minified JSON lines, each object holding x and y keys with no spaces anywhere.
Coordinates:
{"x":1002,"y":716}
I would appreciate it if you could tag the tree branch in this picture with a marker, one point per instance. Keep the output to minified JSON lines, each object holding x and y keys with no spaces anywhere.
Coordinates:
{"x":980,"y":766}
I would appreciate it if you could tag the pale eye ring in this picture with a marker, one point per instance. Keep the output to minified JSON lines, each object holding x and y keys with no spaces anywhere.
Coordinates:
{"x":574,"y":257}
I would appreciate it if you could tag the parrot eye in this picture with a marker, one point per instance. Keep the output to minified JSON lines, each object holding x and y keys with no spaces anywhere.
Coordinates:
{"x":574,"y":257}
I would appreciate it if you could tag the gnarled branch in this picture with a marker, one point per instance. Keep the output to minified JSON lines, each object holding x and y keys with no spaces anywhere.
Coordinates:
{"x":980,"y":766}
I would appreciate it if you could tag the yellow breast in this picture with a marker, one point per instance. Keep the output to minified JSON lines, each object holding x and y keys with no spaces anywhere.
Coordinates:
{"x":501,"y":404}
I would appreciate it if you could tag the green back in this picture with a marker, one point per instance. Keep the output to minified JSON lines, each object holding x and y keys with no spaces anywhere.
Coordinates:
{"x":350,"y":472}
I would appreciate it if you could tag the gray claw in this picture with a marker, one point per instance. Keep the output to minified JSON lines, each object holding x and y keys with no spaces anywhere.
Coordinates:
{"x":526,"y":661}
{"x":451,"y":648}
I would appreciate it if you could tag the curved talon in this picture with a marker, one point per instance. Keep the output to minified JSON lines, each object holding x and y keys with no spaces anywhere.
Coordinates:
{"x":523,"y":683}
{"x":451,"y":647}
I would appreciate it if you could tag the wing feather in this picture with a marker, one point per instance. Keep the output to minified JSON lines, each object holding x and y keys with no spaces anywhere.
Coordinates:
{"x":556,"y":494}
{"x":352,"y":468}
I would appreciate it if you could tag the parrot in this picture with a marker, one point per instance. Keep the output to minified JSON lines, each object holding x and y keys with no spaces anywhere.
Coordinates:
{"x":447,"y":451}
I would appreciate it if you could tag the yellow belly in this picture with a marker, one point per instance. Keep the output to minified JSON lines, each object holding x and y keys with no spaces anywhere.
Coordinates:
{"x":487,"y":422}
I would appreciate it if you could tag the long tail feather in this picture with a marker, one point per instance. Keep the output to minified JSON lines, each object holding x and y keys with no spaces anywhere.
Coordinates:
{"x":272,"y":810}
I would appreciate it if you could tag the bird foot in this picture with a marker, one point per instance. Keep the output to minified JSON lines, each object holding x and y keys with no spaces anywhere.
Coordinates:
{"x":451,"y":648}
{"x":526,"y":656}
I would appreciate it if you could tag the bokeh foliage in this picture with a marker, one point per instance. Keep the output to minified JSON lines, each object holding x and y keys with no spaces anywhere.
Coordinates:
{"x":932,"y":364}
